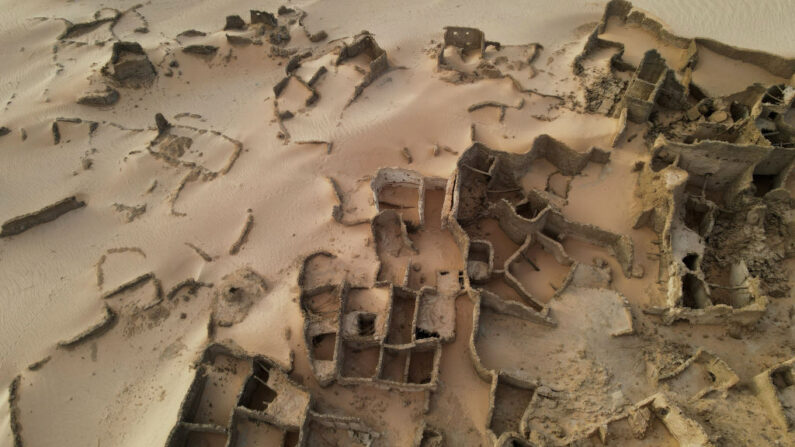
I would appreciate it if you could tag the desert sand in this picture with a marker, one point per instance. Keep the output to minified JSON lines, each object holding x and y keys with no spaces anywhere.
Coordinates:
{"x":397,"y":223}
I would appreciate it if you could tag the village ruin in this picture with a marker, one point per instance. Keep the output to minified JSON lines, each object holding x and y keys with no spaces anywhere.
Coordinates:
{"x":713,"y":188}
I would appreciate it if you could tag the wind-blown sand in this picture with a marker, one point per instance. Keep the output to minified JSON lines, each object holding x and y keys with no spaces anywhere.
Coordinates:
{"x":130,"y":242}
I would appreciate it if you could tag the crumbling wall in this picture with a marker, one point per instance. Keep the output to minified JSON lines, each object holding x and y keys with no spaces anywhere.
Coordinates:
{"x":428,"y":436}
{"x":633,"y":424}
{"x":624,"y":10}
{"x":49,"y":213}
{"x":364,"y":43}
{"x":268,"y":396}
{"x":722,"y":377}
{"x":716,"y":165}
{"x":129,"y":66}
{"x":684,"y":220}
{"x":653,"y":86}
{"x":775,"y":388}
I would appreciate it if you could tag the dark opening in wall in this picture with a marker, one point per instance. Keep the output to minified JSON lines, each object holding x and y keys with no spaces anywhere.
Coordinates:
{"x":652,"y":67}
{"x":421,"y":333}
{"x":527,"y":210}
{"x":691,"y":261}
{"x":695,"y":213}
{"x":203,"y":438}
{"x":421,"y":366}
{"x":510,"y":403}
{"x":783,"y":378}
{"x":366,"y":324}
{"x":774,"y":95}
{"x":658,"y":163}
{"x":360,"y":362}
{"x":257,"y":394}
{"x":696,"y":93}
{"x":721,"y":295}
{"x":404,"y":199}
{"x":393,"y":366}
{"x":291,"y":438}
{"x":323,"y":346}
{"x":431,"y":438}
{"x":764,"y":184}
{"x":550,"y":233}
{"x":479,"y":251}
{"x":739,"y":111}
{"x":401,"y":320}
{"x":323,"y":303}
{"x":694,"y":295}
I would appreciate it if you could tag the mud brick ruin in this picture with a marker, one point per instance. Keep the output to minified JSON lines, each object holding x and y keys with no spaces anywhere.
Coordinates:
{"x":399,"y":346}
{"x":236,"y":399}
{"x":717,"y":176}
{"x":462,"y":42}
{"x":129,"y":66}
{"x":721,"y":164}
{"x":776,"y":389}
{"x":710,"y":188}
